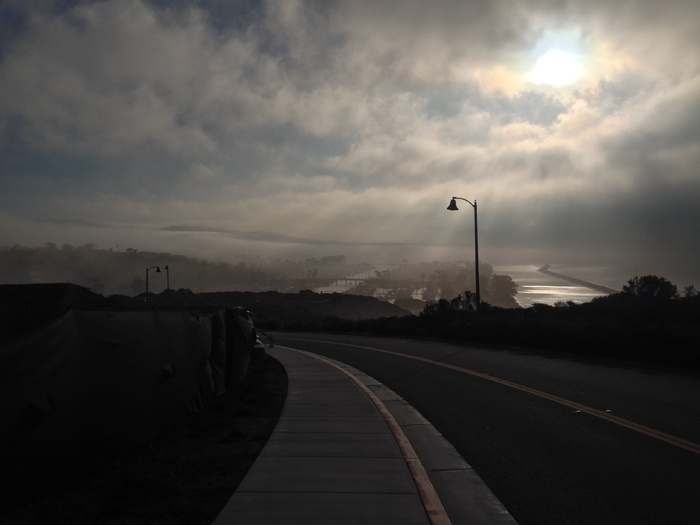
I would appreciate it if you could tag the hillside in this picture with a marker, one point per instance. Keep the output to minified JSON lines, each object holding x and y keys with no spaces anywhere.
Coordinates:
{"x":266,"y":307}
{"x":27,"y":306}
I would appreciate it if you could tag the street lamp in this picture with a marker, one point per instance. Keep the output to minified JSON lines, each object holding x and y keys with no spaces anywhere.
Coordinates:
{"x":167,"y":278}
{"x":147,"y":270}
{"x":453,"y":207}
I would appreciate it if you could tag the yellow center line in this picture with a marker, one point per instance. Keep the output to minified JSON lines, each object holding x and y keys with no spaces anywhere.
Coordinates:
{"x":657,"y":434}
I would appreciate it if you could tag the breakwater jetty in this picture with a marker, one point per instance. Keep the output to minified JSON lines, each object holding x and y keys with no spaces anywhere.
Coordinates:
{"x":598,"y":288}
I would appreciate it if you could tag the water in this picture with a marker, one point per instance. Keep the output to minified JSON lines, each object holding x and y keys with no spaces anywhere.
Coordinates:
{"x":533,"y":285}
{"x":537,"y":287}
{"x":339,"y":286}
{"x":342,"y":286}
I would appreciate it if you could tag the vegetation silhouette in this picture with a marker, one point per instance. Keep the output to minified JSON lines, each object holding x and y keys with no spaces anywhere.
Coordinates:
{"x":647,"y":322}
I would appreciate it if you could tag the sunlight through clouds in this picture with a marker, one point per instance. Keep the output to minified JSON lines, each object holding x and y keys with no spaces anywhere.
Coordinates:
{"x":558,"y":58}
{"x":354,"y":121}
{"x":557,"y":68}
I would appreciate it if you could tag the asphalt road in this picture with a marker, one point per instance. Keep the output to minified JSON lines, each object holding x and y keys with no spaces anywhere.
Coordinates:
{"x":559,"y":439}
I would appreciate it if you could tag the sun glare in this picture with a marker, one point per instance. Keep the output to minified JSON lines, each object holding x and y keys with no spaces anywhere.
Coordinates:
{"x":556,"y":68}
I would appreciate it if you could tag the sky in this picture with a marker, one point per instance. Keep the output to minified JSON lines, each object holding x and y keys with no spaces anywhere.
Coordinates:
{"x":294,"y":128}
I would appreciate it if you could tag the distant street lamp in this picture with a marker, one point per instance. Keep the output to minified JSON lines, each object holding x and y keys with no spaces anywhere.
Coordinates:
{"x":147,"y":270}
{"x":453,"y":207}
{"x":167,"y":278}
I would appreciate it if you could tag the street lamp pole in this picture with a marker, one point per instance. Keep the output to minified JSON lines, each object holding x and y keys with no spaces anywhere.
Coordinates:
{"x":147,"y":270}
{"x":453,"y":207}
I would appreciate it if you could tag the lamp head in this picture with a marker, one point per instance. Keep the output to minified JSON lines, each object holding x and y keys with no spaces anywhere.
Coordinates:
{"x":157,"y":269}
{"x":453,"y":205}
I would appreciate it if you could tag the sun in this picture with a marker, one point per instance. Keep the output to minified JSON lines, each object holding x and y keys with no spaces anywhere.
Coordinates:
{"x":556,"y":68}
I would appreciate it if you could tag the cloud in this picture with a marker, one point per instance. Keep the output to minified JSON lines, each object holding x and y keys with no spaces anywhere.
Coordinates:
{"x":353,"y":122}
{"x":263,"y":236}
{"x":104,"y":79}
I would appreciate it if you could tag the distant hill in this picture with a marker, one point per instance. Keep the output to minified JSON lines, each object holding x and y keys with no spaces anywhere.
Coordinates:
{"x":303,"y":306}
{"x":27,"y":306}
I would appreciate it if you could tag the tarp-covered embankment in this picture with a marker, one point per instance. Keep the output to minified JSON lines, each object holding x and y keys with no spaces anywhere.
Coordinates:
{"x":94,"y":383}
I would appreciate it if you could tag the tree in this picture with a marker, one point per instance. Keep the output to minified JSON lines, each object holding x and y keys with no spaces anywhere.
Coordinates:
{"x":501,"y":291}
{"x":449,"y":309}
{"x":690,"y":291}
{"x":650,"y":287}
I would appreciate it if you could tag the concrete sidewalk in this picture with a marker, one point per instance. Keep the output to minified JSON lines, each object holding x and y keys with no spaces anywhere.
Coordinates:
{"x":349,"y":450}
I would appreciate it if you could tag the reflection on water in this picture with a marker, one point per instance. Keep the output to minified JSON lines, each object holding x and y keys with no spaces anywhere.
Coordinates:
{"x":537,"y":287}
{"x":533,"y":285}
{"x":341,"y":286}
{"x":347,"y":283}
{"x":549,"y":294}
